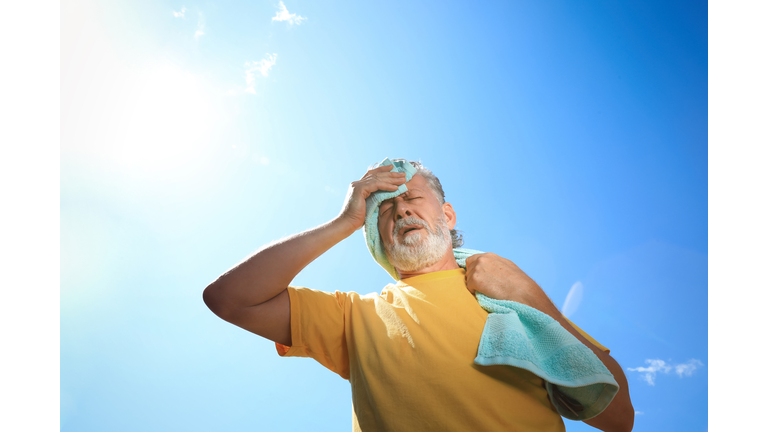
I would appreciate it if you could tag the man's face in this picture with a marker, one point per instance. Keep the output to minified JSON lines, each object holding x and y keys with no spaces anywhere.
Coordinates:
{"x":414,"y":227}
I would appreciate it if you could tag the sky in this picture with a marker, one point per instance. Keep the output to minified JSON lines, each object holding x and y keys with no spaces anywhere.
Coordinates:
{"x":570,"y":138}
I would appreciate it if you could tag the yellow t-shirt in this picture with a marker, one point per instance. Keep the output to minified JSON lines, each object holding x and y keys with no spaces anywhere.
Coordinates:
{"x":408,"y":354}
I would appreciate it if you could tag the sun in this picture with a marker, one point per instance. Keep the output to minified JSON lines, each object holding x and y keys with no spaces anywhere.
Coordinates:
{"x":163,"y":122}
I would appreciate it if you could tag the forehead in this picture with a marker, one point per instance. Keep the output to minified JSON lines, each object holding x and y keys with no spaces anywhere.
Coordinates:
{"x":417,"y":184}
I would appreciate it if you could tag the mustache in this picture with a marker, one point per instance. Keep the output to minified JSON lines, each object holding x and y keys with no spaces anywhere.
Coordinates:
{"x":410,"y":220}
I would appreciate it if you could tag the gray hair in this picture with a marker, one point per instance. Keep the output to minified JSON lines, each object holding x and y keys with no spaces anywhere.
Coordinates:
{"x":457,"y":239}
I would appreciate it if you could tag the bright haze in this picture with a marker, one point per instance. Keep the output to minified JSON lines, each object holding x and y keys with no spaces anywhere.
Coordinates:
{"x":570,"y":137}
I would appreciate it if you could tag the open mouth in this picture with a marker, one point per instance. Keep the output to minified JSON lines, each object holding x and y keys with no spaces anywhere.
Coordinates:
{"x":409,"y":229}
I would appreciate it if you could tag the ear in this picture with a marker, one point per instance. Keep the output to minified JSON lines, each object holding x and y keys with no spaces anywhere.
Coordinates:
{"x":450,"y":215}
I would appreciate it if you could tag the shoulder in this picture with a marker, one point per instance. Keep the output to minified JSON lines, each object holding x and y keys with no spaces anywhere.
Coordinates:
{"x":344,"y":299}
{"x":303,"y":294}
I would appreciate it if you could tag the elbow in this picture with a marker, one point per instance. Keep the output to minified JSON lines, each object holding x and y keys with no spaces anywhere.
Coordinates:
{"x":630,"y":423}
{"x":215,"y":300}
{"x":615,"y":418}
{"x":627,"y":427}
{"x":627,"y":422}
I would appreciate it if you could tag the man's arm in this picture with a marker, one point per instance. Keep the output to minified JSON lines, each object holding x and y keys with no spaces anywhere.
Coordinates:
{"x":500,"y":278}
{"x":253,"y":295}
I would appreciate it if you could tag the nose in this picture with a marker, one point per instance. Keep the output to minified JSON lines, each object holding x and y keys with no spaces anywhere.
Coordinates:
{"x":402,"y":210}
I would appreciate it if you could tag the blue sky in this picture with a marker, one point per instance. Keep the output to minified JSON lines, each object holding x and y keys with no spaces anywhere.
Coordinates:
{"x":570,"y":138}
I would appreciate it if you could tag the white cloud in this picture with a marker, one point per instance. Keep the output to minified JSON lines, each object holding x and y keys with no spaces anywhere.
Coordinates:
{"x":180,"y":14}
{"x":639,"y":413}
{"x":262,"y":66}
{"x":200,"y":26}
{"x":687,"y":368}
{"x":573,"y":299}
{"x":650,"y":371}
{"x":660,"y":366}
{"x":283,"y":15}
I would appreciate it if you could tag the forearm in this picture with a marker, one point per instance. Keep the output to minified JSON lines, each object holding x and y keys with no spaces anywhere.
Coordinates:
{"x":619,"y":416}
{"x":267,"y":273}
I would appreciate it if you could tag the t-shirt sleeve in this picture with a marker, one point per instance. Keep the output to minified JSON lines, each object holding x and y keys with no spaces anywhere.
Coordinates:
{"x":588,"y":337}
{"x":318,"y":328}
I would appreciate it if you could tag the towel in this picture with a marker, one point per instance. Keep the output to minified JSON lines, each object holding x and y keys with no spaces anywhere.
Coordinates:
{"x":580,"y":386}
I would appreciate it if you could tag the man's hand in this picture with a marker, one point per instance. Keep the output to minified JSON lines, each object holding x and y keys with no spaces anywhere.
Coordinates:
{"x":501,"y":279}
{"x":353,"y":211}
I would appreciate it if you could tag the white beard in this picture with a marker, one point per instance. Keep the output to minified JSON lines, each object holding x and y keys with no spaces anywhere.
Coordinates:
{"x":418,"y":250}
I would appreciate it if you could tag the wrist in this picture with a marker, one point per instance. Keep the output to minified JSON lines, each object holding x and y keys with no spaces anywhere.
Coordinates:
{"x":344,"y":226}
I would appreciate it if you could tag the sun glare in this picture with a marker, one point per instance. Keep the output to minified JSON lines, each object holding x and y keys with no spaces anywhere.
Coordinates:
{"x":164,"y":124}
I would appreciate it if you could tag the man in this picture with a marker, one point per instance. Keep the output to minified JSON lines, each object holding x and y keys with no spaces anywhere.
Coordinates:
{"x":408,"y":353}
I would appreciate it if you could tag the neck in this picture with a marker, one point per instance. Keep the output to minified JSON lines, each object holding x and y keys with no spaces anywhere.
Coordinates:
{"x":447,"y":262}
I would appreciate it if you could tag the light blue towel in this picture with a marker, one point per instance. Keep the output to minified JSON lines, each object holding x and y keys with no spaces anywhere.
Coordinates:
{"x":372,"y":203}
{"x":579,"y":385}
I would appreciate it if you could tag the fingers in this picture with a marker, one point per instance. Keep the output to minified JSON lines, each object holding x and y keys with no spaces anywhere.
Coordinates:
{"x":398,"y":178}
{"x":385,"y":181}
{"x":488,"y":261}
{"x":485,"y":256}
{"x":382,"y":172}
{"x":469,"y":262}
{"x":472,"y":259}
{"x":381,"y":168}
{"x":380,"y":178}
{"x":371,"y":187}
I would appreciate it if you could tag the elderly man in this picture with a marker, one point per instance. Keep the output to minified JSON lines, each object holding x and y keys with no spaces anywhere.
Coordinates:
{"x":408,"y":352}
